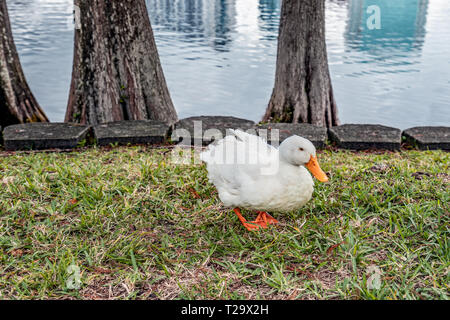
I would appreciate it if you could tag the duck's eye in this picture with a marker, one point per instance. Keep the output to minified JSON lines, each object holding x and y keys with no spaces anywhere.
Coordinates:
{"x":301,"y":149}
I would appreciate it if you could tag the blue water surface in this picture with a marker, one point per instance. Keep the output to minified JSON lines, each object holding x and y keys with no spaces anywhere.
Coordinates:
{"x":219,"y":56}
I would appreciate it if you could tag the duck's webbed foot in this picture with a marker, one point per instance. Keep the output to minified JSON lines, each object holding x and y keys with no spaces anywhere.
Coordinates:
{"x":266,"y":218}
{"x":262,"y":220}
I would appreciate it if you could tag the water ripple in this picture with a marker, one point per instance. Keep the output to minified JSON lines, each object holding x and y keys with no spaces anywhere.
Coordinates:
{"x":219,"y":56}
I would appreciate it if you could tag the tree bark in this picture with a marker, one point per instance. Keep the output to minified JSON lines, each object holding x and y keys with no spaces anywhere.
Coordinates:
{"x":303,"y":90}
{"x":17,"y":103}
{"x":117,"y":74}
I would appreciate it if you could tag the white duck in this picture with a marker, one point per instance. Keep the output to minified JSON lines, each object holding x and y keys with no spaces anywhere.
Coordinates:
{"x":249,"y":173}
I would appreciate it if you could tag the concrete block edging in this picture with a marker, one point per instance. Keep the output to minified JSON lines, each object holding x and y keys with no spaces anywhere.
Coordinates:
{"x":38,"y":136}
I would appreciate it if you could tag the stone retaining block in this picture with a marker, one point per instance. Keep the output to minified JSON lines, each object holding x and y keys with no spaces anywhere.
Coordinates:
{"x":428,"y":138}
{"x":131,"y":132}
{"x":366,"y":136}
{"x":205,"y":129}
{"x":38,"y":136}
{"x":317,"y":135}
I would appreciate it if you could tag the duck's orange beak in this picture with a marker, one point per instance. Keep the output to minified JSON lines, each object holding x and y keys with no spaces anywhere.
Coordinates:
{"x":315,"y":169}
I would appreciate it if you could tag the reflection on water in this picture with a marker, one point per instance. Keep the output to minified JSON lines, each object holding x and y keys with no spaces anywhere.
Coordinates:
{"x":219,"y":56}
{"x":389,"y":75}
{"x":196,"y":21}
{"x":402,"y":26}
{"x":43,"y":33}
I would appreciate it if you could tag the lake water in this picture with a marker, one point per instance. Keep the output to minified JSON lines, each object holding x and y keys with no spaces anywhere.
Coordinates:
{"x":219,"y":56}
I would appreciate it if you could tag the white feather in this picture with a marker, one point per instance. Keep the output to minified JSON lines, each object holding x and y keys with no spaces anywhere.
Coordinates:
{"x":248,"y":173}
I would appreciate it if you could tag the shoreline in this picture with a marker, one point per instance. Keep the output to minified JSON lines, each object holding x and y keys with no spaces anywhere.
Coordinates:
{"x":201,"y":131}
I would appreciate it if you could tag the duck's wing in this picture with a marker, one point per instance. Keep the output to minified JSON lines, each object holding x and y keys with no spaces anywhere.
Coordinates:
{"x":240,"y":149}
{"x":253,"y":152}
{"x":222,"y":172}
{"x":238,"y":158}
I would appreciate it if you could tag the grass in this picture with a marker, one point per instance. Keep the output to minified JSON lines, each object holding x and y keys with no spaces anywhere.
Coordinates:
{"x":137,"y":226}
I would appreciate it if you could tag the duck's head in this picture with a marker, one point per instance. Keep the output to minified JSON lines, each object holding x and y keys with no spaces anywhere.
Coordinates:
{"x":299,"y":151}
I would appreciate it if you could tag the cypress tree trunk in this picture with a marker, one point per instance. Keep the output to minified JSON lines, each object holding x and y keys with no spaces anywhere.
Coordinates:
{"x":17,"y":103}
{"x":117,"y":73}
{"x":303,"y":91}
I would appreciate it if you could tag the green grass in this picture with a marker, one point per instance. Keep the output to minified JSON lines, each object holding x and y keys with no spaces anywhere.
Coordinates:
{"x":138,"y":226}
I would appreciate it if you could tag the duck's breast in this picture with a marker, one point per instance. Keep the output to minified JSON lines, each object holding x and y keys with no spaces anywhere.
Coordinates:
{"x":289,"y":190}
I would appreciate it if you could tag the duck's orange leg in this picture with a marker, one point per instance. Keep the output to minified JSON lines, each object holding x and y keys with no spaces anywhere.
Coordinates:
{"x":266,"y":218}
{"x":252,"y":225}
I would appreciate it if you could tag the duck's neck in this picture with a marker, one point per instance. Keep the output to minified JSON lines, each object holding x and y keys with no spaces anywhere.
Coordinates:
{"x":296,"y":175}
{"x":288,"y":169}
